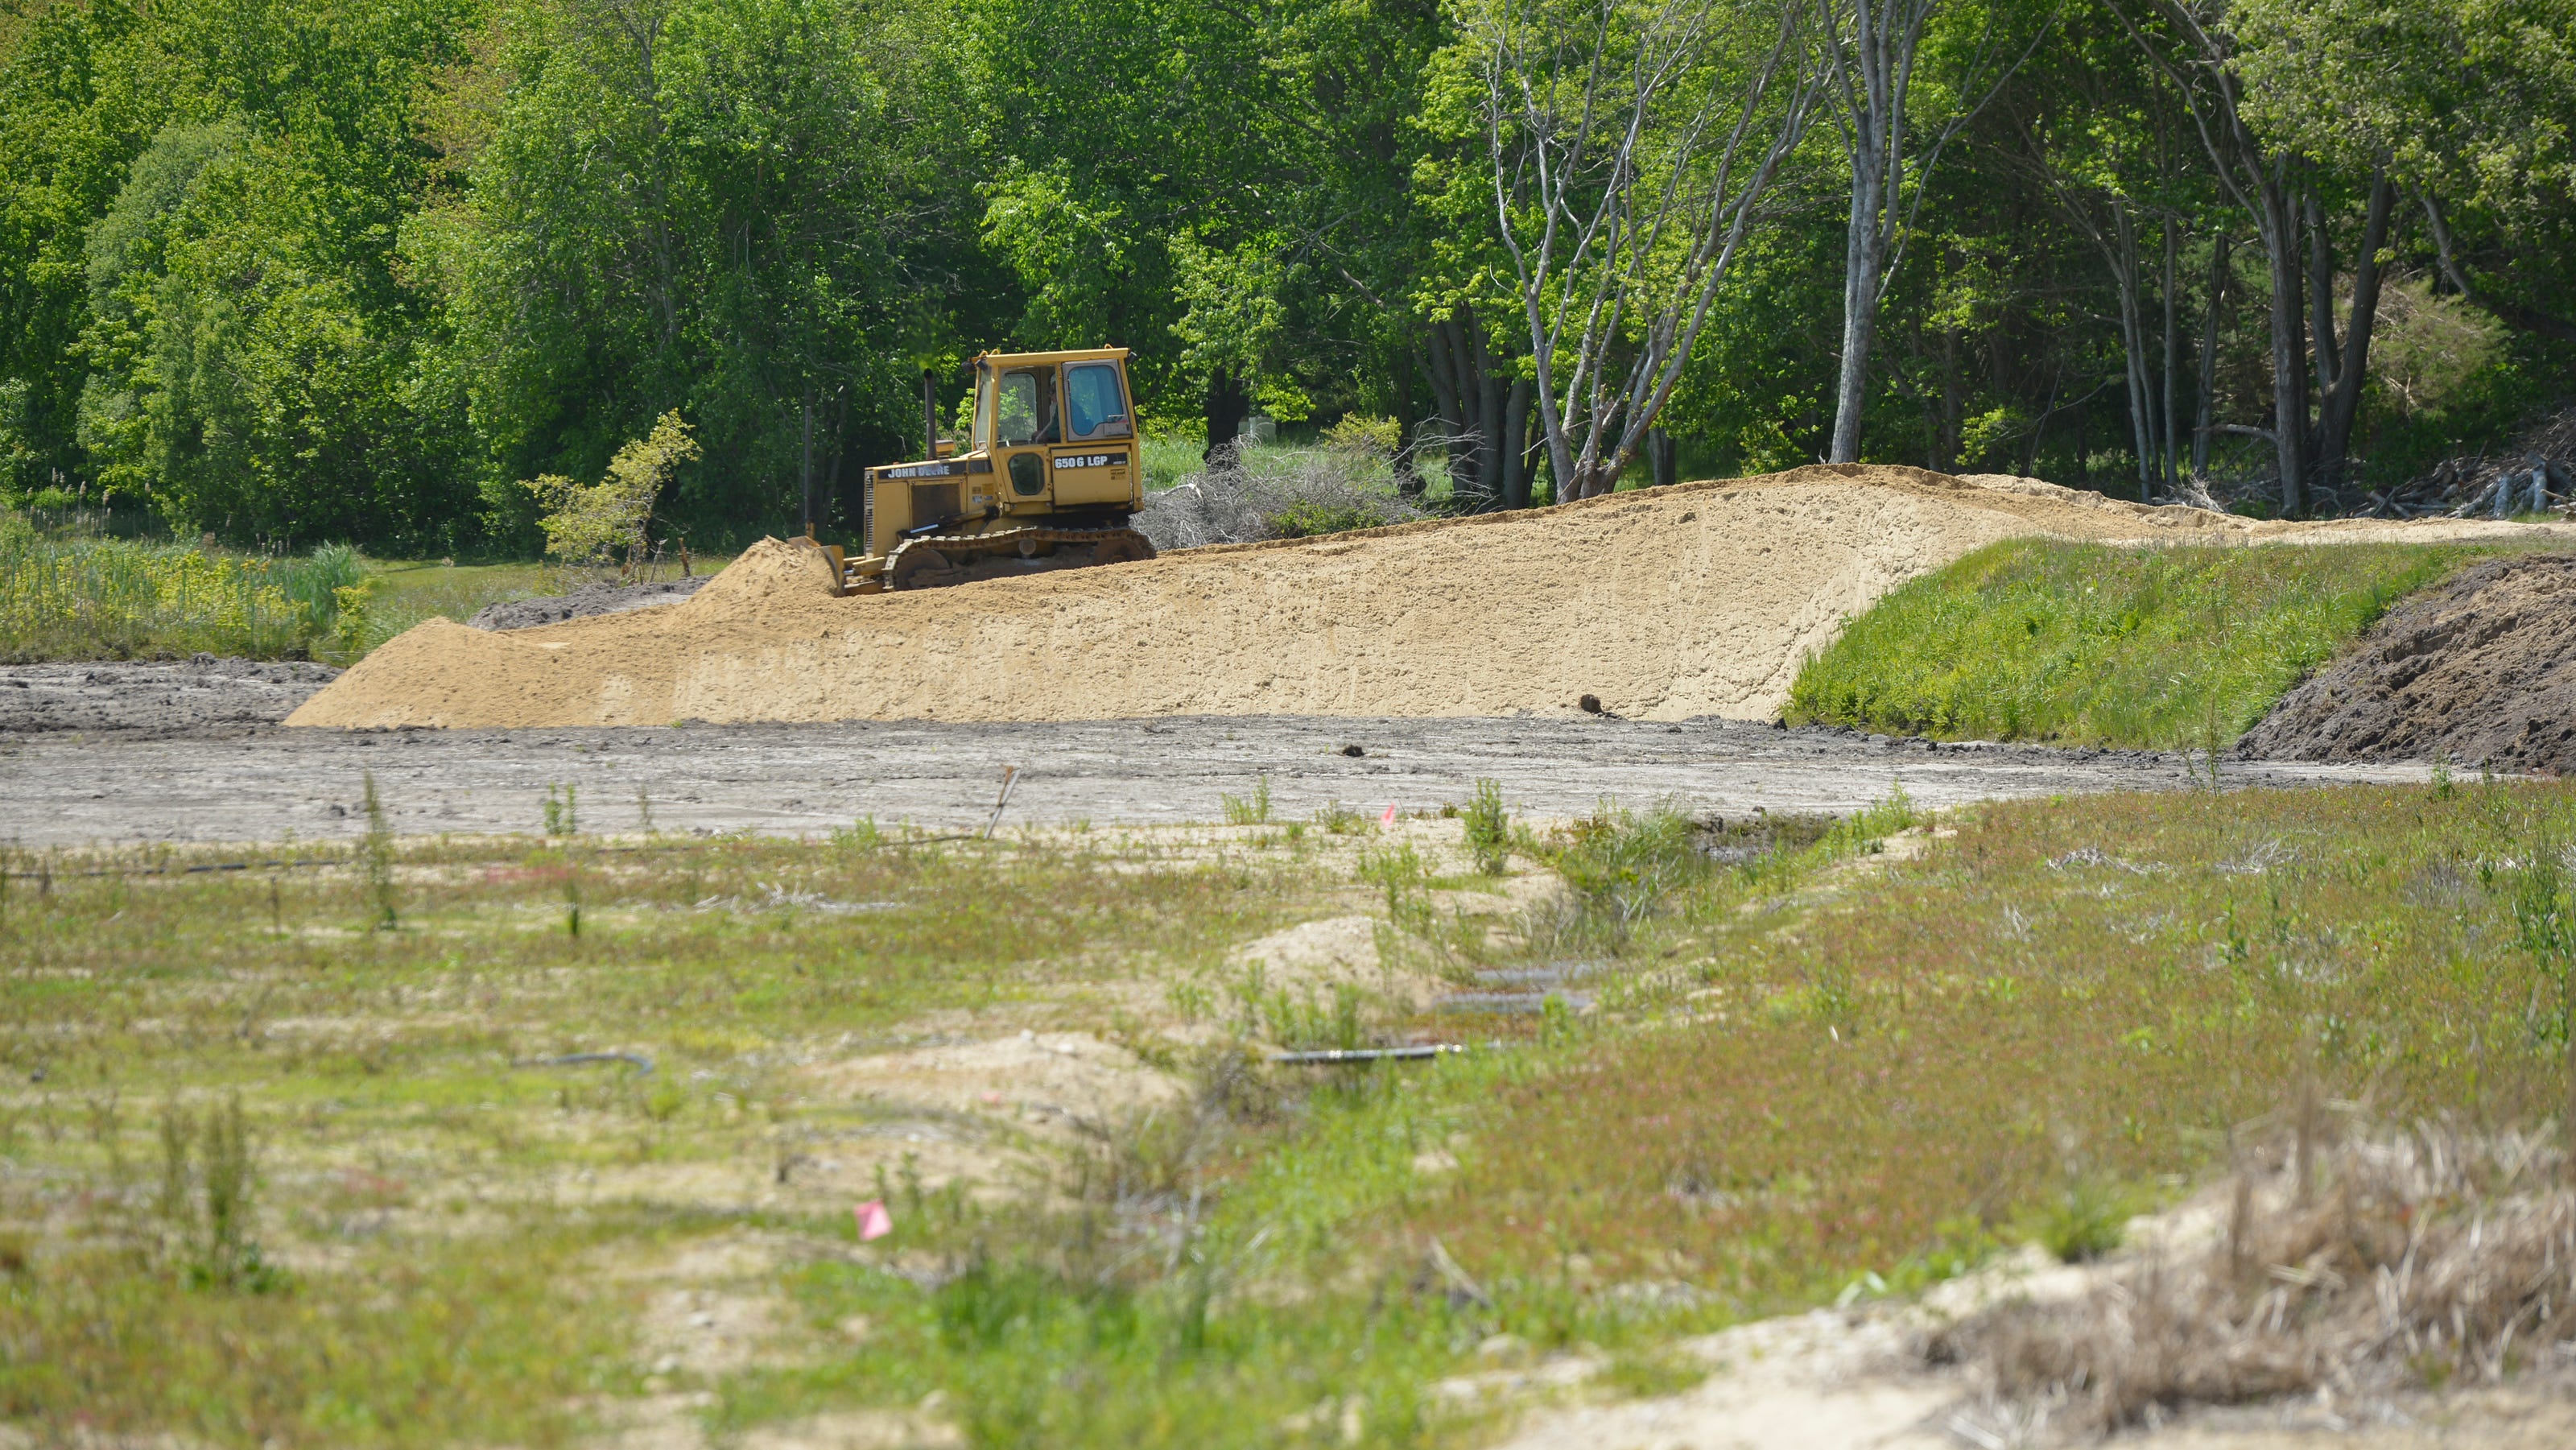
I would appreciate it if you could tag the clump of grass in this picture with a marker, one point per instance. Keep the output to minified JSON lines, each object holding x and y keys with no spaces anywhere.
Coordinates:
{"x":1488,"y":828}
{"x":208,"y":1183}
{"x":1169,"y":458}
{"x":1865,"y":830}
{"x":2410,"y":1258}
{"x":1252,"y":811}
{"x":1336,"y":819}
{"x":1619,"y":867}
{"x":2083,"y":1222}
{"x":2089,"y":644}
{"x":562,"y":802}
{"x":572,"y":896}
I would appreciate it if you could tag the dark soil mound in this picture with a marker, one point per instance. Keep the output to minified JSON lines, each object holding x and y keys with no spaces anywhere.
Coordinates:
{"x":156,"y":697}
{"x":588,"y":600}
{"x":2481,"y":669}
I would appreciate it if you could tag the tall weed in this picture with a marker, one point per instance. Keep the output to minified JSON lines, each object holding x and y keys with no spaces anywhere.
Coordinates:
{"x":72,"y":597}
{"x":1488,"y":828}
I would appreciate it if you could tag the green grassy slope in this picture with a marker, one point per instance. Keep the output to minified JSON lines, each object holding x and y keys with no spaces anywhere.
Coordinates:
{"x":2090,"y":644}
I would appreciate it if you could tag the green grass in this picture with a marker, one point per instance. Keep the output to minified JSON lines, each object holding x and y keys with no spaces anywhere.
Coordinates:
{"x":2062,"y":1008}
{"x":2090,"y":644}
{"x":1169,"y":458}
{"x":430,"y":1287}
{"x":403,"y":593}
{"x":449,"y":1343}
{"x":1828,"y":1054}
{"x":81,"y":598}
{"x":75,"y":596}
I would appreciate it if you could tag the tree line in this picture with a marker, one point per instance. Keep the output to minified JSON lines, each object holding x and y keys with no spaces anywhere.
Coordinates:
{"x":294,"y":270}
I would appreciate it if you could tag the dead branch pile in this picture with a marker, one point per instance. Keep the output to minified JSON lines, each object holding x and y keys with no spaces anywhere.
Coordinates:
{"x":2420,"y":1258}
{"x":1279,"y":494}
{"x":2536,"y":474}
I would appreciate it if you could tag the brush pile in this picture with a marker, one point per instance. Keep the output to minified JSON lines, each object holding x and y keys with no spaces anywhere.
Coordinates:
{"x":2352,"y":1270}
{"x":2536,"y":475}
{"x":1278,"y":494}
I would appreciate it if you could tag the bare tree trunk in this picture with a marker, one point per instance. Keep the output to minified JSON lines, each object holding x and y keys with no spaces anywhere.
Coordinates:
{"x":1664,"y":457}
{"x":1953,"y":405}
{"x":2219,"y":276}
{"x":1445,"y":401}
{"x":2133,"y":345}
{"x":1484,"y":426}
{"x":2170,"y":455}
{"x":2279,"y":215}
{"x":1479,"y":430}
{"x":1229,"y":402}
{"x":1513,"y":488}
{"x":2341,"y":405}
{"x":1864,"y":255}
{"x":2321,"y":289}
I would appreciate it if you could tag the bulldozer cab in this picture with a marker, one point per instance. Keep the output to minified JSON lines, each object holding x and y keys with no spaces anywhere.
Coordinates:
{"x":1049,"y":472}
{"x":1045,"y":421}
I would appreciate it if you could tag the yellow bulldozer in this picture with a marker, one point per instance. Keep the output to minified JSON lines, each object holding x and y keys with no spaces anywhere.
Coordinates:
{"x":1048,"y":479}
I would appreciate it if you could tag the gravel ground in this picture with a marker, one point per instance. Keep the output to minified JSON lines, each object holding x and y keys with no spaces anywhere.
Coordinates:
{"x":69,"y":788}
{"x":584,"y":602}
{"x":199,"y":696}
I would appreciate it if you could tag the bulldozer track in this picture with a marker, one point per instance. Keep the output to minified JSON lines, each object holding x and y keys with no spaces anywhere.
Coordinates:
{"x":963,"y":549}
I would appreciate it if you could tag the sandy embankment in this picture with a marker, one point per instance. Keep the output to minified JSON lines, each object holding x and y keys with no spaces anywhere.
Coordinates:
{"x":1701,"y":599}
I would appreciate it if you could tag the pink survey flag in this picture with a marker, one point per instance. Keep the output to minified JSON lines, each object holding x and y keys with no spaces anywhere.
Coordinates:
{"x":874,"y":1221}
{"x":1389,"y":818}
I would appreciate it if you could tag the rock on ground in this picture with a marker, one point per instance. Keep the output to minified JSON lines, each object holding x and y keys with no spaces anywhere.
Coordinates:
{"x":584,"y":602}
{"x":2481,"y":669}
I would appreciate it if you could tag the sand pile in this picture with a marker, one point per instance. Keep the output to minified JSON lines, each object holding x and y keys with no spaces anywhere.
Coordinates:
{"x":1700,"y":599}
{"x":2481,"y":668}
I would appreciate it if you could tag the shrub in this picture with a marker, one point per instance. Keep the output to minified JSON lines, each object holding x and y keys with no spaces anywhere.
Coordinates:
{"x":591,"y":524}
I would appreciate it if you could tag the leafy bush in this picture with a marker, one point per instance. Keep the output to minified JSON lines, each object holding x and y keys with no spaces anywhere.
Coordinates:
{"x":1306,"y":518}
{"x":590,"y":524}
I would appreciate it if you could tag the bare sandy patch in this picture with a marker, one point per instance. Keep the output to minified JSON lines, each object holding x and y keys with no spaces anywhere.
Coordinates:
{"x":1313,"y":960}
{"x":1042,"y":1082}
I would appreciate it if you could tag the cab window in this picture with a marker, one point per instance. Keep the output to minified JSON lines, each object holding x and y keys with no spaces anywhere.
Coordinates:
{"x":1024,"y":408}
{"x":1092,"y":394}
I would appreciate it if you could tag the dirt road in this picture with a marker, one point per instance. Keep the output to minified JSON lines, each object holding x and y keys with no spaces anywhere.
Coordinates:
{"x":63,"y":788}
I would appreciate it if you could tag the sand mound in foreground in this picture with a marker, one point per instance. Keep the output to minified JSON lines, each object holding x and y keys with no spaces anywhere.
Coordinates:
{"x":2481,"y":668}
{"x":1700,"y":599}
